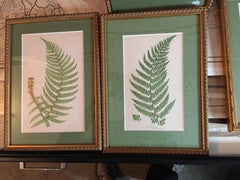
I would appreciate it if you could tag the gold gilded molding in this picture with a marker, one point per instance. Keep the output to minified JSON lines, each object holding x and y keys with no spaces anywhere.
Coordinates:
{"x":203,"y":149}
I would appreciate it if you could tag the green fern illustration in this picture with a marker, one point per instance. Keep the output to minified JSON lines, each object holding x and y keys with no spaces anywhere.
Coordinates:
{"x":150,"y":85}
{"x":59,"y":88}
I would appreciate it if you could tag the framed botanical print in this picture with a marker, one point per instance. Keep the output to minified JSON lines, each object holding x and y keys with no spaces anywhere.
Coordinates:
{"x":154,"y":82}
{"x":230,"y":13}
{"x":52,"y":83}
{"x":114,"y":6}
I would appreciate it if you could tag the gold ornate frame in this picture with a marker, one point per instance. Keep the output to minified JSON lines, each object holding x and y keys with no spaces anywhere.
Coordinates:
{"x":228,"y":32}
{"x":200,"y":13}
{"x":207,"y":5}
{"x":94,"y":127}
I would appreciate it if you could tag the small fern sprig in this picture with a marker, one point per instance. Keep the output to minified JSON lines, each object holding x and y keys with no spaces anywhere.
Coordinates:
{"x":150,"y":85}
{"x":60,"y":87}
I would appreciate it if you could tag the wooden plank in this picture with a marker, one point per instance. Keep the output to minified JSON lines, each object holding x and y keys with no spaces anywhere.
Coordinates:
{"x":217,"y":92}
{"x":83,"y":6}
{"x":216,"y":96}
{"x":215,"y":69}
{"x":216,"y":102}
{"x":2,"y":131}
{"x":1,"y":98}
{"x":217,"y":112}
{"x":2,"y":75}
{"x":216,"y":81}
{"x":217,"y":105}
{"x":214,"y":37}
{"x":217,"y":127}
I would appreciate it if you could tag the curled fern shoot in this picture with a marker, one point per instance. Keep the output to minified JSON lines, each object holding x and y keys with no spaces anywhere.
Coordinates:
{"x":60,"y":87}
{"x":150,"y":84}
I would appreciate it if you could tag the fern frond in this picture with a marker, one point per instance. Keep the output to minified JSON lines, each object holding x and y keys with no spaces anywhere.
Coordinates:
{"x":36,"y":117}
{"x":57,"y":113}
{"x":148,"y":64}
{"x":158,"y":96}
{"x":142,"y":104}
{"x":141,"y":89}
{"x":142,"y":97}
{"x":143,"y":75}
{"x":145,"y":68}
{"x":60,"y":87}
{"x":69,"y":82}
{"x":150,"y":84}
{"x":167,"y":109}
{"x":144,"y":111}
{"x":142,"y":82}
{"x":157,"y":81}
{"x":52,"y":119}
